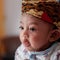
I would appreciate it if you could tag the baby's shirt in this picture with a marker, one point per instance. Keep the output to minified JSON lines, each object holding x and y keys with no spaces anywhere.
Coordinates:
{"x":52,"y":53}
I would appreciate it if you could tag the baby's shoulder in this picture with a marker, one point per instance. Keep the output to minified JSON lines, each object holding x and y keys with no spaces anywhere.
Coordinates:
{"x":56,"y":52}
{"x":19,"y":53}
{"x":58,"y":47}
{"x":19,"y":50}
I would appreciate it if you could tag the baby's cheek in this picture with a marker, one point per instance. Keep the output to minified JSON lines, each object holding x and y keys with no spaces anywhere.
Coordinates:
{"x":33,"y":39}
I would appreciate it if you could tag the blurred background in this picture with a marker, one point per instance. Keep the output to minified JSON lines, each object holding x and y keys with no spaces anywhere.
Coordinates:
{"x":10,"y":14}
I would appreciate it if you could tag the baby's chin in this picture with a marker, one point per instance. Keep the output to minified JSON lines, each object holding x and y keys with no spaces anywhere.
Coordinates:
{"x":29,"y":48}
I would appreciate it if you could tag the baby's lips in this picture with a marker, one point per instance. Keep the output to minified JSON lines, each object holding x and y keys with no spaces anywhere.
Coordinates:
{"x":26,"y":43}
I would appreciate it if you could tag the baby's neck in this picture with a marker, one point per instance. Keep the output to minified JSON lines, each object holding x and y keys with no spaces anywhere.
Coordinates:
{"x":45,"y":47}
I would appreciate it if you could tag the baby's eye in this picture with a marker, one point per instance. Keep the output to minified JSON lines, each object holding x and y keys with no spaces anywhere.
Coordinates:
{"x":21,"y":27}
{"x":32,"y":29}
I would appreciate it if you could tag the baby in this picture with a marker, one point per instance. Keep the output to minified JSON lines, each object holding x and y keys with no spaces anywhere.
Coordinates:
{"x":39,"y":31}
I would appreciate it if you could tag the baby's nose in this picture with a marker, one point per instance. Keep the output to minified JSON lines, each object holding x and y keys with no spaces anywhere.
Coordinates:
{"x":25,"y":34}
{"x":24,"y":38}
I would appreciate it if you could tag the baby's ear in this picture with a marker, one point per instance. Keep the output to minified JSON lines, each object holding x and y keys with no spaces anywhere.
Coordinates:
{"x":55,"y":35}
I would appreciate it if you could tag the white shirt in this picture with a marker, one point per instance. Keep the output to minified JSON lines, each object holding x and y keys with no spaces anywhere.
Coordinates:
{"x":52,"y":53}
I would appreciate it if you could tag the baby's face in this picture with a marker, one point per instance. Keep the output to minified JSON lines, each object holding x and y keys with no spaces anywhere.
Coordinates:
{"x":34,"y":33}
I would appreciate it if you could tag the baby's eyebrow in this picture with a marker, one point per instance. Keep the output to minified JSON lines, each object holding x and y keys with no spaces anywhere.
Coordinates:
{"x":34,"y":23}
{"x":21,"y":22}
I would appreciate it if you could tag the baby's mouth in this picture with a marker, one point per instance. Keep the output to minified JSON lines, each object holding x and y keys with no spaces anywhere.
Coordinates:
{"x":26,"y":43}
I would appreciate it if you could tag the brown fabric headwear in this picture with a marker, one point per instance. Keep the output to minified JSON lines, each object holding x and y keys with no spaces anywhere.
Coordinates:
{"x":49,"y":10}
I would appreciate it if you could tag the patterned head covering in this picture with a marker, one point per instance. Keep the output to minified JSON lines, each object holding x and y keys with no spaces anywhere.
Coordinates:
{"x":47,"y":10}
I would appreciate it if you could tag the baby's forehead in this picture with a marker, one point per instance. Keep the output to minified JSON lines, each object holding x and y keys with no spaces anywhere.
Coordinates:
{"x":33,"y":20}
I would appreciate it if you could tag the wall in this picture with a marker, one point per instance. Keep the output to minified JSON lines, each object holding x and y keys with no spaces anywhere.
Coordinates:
{"x":2,"y":19}
{"x":12,"y":13}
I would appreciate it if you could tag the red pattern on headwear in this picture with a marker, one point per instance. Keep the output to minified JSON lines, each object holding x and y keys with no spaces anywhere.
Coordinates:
{"x":46,"y":18}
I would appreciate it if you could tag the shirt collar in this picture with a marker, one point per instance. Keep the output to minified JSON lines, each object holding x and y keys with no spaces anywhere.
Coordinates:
{"x":45,"y":52}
